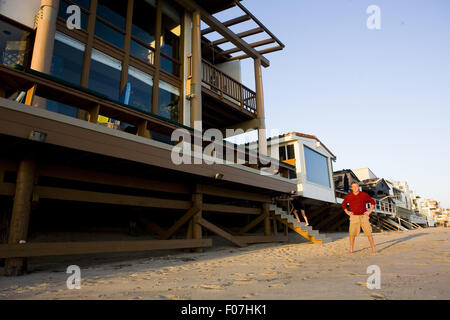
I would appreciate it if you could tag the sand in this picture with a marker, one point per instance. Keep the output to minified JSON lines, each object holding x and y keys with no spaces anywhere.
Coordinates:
{"x":413,"y":264}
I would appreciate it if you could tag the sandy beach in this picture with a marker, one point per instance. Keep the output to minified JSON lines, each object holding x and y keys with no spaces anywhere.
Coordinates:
{"x":413,"y":264}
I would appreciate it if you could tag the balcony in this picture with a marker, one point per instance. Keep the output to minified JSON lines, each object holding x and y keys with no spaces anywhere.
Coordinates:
{"x":225,"y":100}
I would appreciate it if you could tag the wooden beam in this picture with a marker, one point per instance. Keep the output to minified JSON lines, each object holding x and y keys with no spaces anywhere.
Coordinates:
{"x":62,"y":172}
{"x":220,"y":232}
{"x":152,"y":226}
{"x":241,"y":35}
{"x":230,"y":209}
{"x":261,"y":239}
{"x":253,"y":223}
{"x":109,"y":198}
{"x":228,"y":23}
{"x":72,"y":248}
{"x":264,"y":51}
{"x":185,"y":218}
{"x":197,"y":232}
{"x":253,"y":45}
{"x":228,"y":193}
{"x":224,"y":31}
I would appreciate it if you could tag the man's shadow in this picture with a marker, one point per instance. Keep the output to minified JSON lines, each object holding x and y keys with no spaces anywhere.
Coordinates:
{"x":395,"y":241}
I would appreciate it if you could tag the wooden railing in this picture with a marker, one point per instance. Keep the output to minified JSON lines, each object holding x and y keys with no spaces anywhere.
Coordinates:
{"x":227,"y":87}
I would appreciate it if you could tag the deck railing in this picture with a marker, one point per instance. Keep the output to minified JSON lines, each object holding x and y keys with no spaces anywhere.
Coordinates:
{"x":227,"y":87}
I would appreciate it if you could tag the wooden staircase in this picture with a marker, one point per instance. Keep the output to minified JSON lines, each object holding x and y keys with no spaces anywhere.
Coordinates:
{"x":299,"y":227}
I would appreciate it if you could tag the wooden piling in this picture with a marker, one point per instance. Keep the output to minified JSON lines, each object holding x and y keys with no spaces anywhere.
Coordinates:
{"x":21,"y":213}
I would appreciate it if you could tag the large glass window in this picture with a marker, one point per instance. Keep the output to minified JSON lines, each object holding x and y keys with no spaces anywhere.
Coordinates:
{"x":110,"y":25}
{"x":67,"y":64}
{"x":143,"y":30}
{"x":170,"y":37}
{"x":141,"y":89}
{"x":169,"y":99}
{"x":84,"y":9}
{"x":15,"y":45}
{"x":316,"y":167}
{"x":105,"y":74}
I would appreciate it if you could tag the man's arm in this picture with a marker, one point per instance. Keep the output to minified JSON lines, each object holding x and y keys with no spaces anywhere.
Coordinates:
{"x":372,"y":205}
{"x":344,"y":207}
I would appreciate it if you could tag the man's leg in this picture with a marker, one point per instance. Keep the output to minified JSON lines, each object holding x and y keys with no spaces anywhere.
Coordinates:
{"x":296,"y":215}
{"x":352,"y":243}
{"x":372,"y":244}
{"x":304,"y":217}
{"x":367,"y":228}
{"x":353,"y":230}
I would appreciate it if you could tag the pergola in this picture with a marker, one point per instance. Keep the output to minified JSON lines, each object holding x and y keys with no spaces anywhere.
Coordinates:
{"x":242,"y":49}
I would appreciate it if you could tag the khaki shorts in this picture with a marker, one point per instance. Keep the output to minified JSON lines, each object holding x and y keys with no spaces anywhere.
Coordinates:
{"x":357,"y":222}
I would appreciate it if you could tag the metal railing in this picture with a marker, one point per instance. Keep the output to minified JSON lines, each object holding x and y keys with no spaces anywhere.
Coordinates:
{"x":226,"y":86}
{"x":385,"y":207}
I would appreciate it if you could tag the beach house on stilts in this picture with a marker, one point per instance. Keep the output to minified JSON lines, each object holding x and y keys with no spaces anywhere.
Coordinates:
{"x":110,"y":122}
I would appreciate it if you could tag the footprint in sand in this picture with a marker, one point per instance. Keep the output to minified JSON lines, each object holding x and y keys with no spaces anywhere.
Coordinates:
{"x":210,"y":287}
{"x":378,"y":296}
{"x":364,"y":284}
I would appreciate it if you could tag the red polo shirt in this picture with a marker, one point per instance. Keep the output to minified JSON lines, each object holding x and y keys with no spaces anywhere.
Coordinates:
{"x":357,"y":202}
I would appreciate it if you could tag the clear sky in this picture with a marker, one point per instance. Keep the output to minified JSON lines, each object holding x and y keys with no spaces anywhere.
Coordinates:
{"x":375,"y":98}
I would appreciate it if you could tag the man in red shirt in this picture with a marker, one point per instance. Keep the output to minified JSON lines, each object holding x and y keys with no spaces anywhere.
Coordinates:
{"x":359,"y":215}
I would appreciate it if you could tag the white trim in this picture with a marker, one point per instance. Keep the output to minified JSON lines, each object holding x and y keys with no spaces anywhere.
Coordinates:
{"x":69,"y":41}
{"x":140,"y":75}
{"x":106,"y":60}
{"x":168,"y":87}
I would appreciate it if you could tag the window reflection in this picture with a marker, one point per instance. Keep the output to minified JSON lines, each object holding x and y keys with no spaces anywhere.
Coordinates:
{"x":67,"y":63}
{"x":143,"y":30}
{"x":141,"y":89}
{"x":105,"y":74}
{"x":111,"y":25}
{"x":170,"y":40}
{"x":316,"y":167}
{"x":169,"y":98}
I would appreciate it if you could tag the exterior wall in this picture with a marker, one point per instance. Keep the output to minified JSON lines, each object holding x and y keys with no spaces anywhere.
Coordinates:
{"x":232,"y":68}
{"x":20,"y":10}
{"x":364,"y":173}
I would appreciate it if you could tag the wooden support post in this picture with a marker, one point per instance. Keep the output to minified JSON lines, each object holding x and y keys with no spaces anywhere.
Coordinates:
{"x":189,"y":234}
{"x":86,"y":66}
{"x":142,"y":129}
{"x":21,"y":213}
{"x":2,"y":93}
{"x":197,"y":199}
{"x":93,"y":114}
{"x":43,"y":45}
{"x":262,"y":138}
{"x":265,"y":208}
{"x":275,"y":226}
{"x":157,"y":61}
{"x":196,"y":81}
